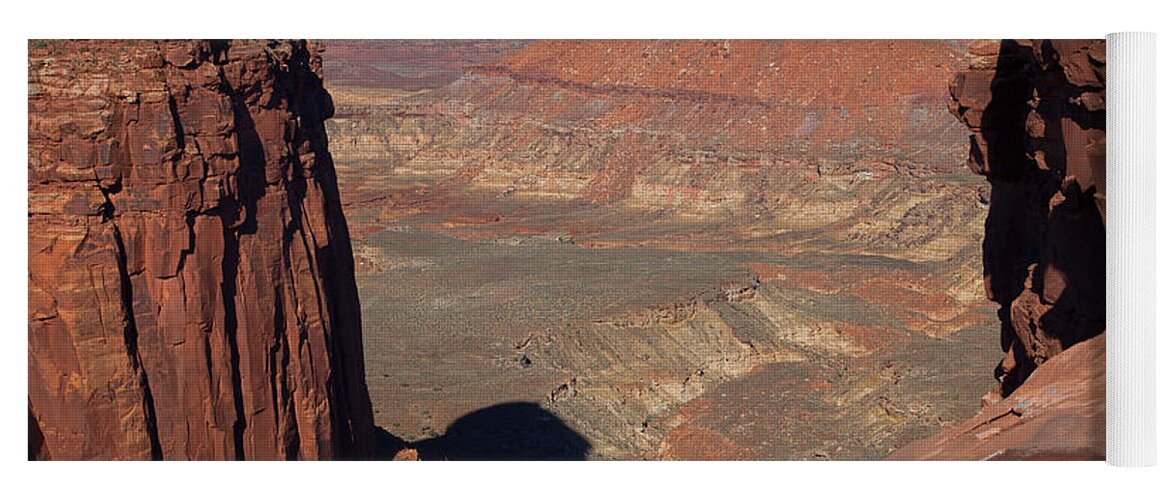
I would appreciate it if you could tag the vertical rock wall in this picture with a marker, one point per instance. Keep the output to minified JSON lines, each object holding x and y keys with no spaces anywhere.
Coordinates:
{"x":1037,"y":112}
{"x":191,"y":289}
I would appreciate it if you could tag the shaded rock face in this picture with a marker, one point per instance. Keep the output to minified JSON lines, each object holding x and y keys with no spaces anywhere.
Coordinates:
{"x":191,"y":287}
{"x":1037,"y":113}
{"x":1038,"y":118}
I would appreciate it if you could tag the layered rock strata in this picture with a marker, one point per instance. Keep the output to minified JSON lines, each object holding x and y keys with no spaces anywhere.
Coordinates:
{"x":191,"y":286}
{"x":700,"y":128}
{"x":671,"y":245}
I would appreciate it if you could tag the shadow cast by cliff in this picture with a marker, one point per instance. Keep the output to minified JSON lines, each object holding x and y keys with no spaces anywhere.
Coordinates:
{"x":508,"y":431}
{"x":1044,"y":242}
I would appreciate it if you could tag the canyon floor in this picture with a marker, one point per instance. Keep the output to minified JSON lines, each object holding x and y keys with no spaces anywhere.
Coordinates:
{"x":652,"y":350}
{"x":518,"y":302}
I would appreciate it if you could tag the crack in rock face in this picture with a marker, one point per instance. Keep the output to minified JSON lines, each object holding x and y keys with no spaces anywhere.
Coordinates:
{"x":1038,"y":120}
{"x":191,"y":281}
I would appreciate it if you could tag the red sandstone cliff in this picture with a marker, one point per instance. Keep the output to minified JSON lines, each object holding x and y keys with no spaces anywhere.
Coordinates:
{"x":1037,"y":113}
{"x":191,"y":289}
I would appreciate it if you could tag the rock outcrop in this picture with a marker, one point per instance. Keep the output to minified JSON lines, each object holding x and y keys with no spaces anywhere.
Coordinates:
{"x":1038,"y":117}
{"x":191,"y":285}
{"x":1059,"y":413}
{"x":1037,"y":112}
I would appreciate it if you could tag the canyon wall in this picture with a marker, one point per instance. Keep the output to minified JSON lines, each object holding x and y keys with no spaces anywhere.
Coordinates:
{"x":191,"y":284}
{"x":1037,"y":112}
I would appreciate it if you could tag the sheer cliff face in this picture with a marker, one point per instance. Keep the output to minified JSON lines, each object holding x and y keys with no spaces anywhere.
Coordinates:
{"x":1038,"y":118}
{"x":1037,"y":111}
{"x":191,"y":289}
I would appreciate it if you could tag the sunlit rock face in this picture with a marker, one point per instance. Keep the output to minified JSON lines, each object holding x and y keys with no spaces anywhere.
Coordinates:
{"x":191,"y":286}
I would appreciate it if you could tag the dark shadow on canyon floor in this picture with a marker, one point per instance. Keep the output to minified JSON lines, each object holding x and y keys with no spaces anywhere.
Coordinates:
{"x":507,"y":431}
{"x":386,"y":445}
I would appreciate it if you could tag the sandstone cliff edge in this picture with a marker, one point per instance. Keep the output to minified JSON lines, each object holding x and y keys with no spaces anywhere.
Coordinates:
{"x":191,"y":286}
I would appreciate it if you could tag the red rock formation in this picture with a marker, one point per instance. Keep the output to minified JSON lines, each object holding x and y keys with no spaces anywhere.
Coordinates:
{"x":1037,"y":113}
{"x":191,"y":290}
{"x":1038,"y":116}
{"x":1059,"y":413}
